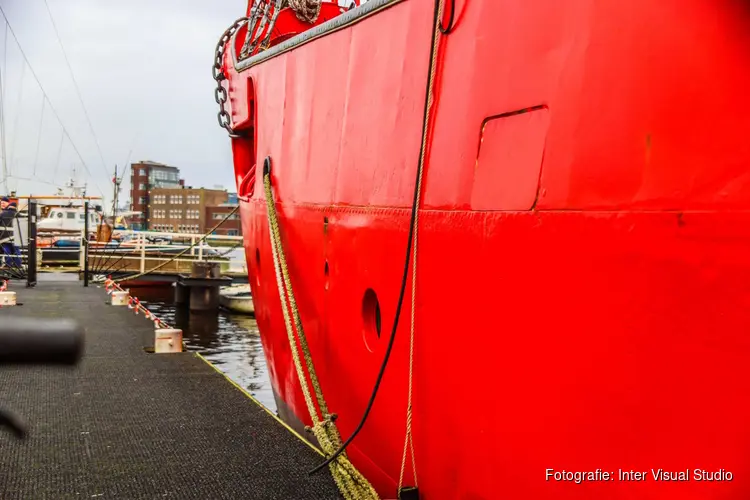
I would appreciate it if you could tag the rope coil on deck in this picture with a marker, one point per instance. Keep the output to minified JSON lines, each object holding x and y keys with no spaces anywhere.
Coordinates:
{"x":352,"y":484}
{"x":306,"y":10}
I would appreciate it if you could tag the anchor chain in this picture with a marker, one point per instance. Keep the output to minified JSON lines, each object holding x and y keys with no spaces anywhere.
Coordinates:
{"x":220,"y":93}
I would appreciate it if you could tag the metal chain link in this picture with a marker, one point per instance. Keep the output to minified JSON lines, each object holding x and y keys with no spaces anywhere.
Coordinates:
{"x":220,"y":93}
{"x":261,"y":25}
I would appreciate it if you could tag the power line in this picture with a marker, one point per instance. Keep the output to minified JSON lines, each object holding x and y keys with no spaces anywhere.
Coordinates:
{"x":49,"y":101}
{"x":75,"y":84}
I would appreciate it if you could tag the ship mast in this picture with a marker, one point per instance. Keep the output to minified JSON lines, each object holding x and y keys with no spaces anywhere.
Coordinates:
{"x":116,"y":186}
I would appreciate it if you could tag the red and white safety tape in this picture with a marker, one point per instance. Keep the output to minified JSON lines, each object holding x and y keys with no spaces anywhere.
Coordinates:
{"x":134,"y":304}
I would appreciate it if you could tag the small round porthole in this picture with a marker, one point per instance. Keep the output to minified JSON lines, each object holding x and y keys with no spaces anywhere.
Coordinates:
{"x":371,"y":318}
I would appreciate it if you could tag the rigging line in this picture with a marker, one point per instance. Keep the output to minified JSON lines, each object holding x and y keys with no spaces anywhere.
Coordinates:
{"x":52,"y":108}
{"x":5,"y":57}
{"x":59,"y":152}
{"x":183,"y":252}
{"x":18,"y":114}
{"x":29,"y":179}
{"x":126,"y":166}
{"x":2,"y":126}
{"x":75,"y":84}
{"x":39,"y":135}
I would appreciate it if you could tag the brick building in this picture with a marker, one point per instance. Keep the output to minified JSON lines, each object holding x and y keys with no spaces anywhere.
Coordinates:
{"x":216,"y":214}
{"x":145,"y":177}
{"x":183,"y":210}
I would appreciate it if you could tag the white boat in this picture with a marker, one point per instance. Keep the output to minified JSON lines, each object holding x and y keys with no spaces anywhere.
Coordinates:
{"x":67,"y":219}
{"x":237,"y":298}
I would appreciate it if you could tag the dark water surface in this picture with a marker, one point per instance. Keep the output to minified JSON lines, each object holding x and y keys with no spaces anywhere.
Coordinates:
{"x":231,"y":342}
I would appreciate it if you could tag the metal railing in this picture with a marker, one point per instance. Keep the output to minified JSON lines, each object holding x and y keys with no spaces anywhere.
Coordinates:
{"x":139,"y":251}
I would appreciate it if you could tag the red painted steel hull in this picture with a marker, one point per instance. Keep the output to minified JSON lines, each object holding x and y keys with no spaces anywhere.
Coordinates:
{"x":583,"y":290}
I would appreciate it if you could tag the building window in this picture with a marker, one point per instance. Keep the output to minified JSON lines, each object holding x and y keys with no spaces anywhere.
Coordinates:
{"x":175,"y":214}
{"x":193,"y":199}
{"x":141,"y":186}
{"x":142,"y":200}
{"x":175,"y":199}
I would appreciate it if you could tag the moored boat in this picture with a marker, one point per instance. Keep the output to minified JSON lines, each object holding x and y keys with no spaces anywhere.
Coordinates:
{"x":573,"y":173}
{"x":237,"y":299}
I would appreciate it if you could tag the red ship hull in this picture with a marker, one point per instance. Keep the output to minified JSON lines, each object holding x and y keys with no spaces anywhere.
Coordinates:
{"x":583,"y":270}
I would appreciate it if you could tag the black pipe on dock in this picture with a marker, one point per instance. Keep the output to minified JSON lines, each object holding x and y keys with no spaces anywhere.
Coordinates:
{"x":129,"y":424}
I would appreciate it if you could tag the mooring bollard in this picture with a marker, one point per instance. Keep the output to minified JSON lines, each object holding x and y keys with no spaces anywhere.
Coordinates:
{"x":167,"y":340}
{"x":7,"y":298}
{"x":120,"y":298}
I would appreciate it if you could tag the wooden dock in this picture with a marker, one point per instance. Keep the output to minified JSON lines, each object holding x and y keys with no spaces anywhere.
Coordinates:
{"x":129,"y":424}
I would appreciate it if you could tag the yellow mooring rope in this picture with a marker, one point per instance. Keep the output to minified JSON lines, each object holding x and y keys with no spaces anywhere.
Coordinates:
{"x":352,"y":484}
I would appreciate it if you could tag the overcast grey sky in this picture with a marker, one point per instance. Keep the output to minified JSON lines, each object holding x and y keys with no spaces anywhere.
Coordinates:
{"x":144,"y":71}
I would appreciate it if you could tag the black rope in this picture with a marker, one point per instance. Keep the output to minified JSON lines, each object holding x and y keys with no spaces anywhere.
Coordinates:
{"x":99,"y":267}
{"x":95,"y":251}
{"x":111,"y":264}
{"x":447,"y":31}
{"x":404,"y":279}
{"x":105,"y":249}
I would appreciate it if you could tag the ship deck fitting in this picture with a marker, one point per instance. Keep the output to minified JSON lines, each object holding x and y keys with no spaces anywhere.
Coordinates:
{"x":129,"y":424}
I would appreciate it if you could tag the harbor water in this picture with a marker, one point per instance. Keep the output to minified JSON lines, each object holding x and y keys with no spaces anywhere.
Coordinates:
{"x":231,"y":342}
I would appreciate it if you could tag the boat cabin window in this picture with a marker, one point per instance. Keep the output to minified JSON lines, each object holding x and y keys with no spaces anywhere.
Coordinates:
{"x":55,"y":214}
{"x":71,"y":215}
{"x":82,"y":216}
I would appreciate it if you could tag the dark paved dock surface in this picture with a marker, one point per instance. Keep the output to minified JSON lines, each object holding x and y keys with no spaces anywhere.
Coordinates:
{"x":128,"y":424}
